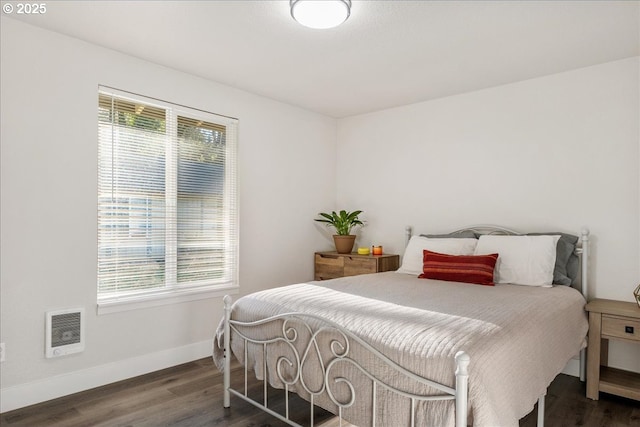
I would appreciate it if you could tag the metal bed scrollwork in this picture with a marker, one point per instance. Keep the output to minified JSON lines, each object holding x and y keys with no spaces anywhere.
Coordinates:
{"x":339,"y":344}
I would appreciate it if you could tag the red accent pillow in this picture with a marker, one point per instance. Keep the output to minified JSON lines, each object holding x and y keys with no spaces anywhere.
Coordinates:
{"x":477,"y":269}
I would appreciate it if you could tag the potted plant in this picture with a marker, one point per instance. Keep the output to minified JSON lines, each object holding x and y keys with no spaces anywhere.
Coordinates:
{"x":343,"y":222}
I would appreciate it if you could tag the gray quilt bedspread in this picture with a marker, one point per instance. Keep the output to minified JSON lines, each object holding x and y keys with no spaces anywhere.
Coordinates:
{"x":518,"y":338}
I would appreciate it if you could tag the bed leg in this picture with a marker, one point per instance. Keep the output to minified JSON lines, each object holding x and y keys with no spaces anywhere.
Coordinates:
{"x":462,"y":382}
{"x":541,"y":411}
{"x":227,"y":352}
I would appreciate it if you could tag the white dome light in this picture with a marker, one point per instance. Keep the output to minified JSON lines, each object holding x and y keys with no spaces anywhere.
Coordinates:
{"x":320,"y":14}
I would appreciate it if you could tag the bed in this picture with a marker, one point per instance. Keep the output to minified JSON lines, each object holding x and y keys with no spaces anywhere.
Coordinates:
{"x":400,"y":348}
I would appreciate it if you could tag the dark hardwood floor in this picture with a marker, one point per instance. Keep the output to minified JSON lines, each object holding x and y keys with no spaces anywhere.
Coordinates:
{"x":191,"y":395}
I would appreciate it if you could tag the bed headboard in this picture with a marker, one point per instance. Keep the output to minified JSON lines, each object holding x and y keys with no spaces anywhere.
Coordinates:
{"x":582,"y":248}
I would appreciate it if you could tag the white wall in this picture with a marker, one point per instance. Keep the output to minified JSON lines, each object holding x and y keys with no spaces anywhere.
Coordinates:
{"x":49,"y":195}
{"x":553,"y":153}
{"x":556,"y":152}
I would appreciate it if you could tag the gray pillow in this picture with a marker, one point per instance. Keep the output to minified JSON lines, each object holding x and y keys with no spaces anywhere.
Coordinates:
{"x":464,"y":234}
{"x":567,"y":263}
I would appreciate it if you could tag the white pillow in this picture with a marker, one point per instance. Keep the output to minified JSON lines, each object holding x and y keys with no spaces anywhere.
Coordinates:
{"x":522,"y":260}
{"x":412,"y":259}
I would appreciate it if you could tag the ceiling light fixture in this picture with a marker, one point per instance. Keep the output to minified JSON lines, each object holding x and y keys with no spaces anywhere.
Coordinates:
{"x":320,"y":14}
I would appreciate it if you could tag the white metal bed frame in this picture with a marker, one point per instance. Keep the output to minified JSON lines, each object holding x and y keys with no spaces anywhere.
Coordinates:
{"x":340,"y":345}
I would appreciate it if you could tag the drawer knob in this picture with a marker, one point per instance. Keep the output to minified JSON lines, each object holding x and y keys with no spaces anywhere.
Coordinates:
{"x":628,"y":329}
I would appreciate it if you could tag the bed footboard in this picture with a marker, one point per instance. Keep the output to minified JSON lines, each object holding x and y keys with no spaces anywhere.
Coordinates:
{"x":310,"y":340}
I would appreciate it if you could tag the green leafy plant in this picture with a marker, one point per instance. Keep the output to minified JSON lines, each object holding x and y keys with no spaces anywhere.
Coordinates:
{"x":342,"y":222}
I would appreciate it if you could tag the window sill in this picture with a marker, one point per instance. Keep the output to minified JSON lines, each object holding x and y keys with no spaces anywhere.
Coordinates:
{"x":173,"y":297}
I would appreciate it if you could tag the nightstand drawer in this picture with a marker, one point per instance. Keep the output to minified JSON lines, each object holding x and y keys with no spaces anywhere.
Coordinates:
{"x":331,"y":265}
{"x":354,"y":266}
{"x":621,"y":327}
{"x":328,"y":266}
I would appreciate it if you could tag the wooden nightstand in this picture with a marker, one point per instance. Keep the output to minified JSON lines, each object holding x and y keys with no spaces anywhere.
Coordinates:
{"x":330,"y":265}
{"x":611,"y":320}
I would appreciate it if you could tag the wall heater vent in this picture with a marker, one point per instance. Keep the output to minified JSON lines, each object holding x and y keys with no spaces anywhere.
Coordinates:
{"x":65,"y":332}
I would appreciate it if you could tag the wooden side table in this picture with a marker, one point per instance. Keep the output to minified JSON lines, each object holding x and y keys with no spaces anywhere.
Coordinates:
{"x":331,"y":265}
{"x":611,"y":320}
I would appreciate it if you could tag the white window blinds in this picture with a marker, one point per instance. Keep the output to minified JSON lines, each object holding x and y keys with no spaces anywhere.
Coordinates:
{"x":167,"y":201}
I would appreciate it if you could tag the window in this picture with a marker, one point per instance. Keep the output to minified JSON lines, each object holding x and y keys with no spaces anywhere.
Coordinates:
{"x":167,"y":202}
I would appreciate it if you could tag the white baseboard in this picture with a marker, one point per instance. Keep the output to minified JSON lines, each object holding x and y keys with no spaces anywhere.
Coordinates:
{"x":22,"y":395}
